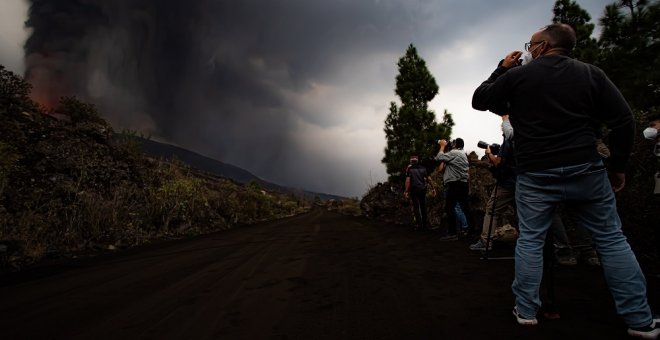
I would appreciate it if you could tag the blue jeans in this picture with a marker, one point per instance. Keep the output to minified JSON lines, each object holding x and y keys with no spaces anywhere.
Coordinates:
{"x":457,"y":193}
{"x":588,"y":195}
{"x":461,"y":220}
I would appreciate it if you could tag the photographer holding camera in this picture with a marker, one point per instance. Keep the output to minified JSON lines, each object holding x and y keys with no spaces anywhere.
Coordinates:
{"x":553,"y":102}
{"x":503,"y":195}
{"x":455,"y":178}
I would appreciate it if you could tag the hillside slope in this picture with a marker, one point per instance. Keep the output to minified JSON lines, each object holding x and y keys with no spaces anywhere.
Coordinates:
{"x":67,"y":186}
{"x":213,"y":166}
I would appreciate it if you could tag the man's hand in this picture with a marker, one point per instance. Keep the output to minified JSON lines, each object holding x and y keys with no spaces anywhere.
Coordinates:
{"x":442,"y":143}
{"x":406,"y":194}
{"x":618,"y":180}
{"x":511,"y":59}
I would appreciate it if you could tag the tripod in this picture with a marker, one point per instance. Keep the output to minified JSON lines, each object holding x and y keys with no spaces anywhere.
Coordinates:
{"x":485,"y":253}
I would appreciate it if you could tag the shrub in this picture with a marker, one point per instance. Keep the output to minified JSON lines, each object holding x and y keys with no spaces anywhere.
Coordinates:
{"x":8,"y":159}
{"x":178,"y":199}
{"x":14,"y":91}
{"x":79,"y":111}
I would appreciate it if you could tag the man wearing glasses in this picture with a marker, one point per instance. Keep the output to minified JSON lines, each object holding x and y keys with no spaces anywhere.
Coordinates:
{"x":554,"y":104}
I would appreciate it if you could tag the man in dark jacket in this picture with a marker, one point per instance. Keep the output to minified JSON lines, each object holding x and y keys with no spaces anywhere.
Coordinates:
{"x":416,"y":180}
{"x":554,"y":103}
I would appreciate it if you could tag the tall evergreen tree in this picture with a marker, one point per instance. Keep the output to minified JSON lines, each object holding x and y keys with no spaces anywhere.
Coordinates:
{"x":411,"y":128}
{"x":630,"y":46}
{"x":569,"y":12}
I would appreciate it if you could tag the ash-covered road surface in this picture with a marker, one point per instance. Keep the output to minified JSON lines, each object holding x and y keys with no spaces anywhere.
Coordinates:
{"x":315,"y":276}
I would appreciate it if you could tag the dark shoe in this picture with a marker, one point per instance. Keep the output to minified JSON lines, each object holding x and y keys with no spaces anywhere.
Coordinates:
{"x":649,"y":332}
{"x":593,"y":261}
{"x":591,"y":258}
{"x":449,"y":238}
{"x":567,"y":260}
{"x":565,"y":257}
{"x":465,"y":235}
{"x":480,"y":246}
{"x":526,"y":322}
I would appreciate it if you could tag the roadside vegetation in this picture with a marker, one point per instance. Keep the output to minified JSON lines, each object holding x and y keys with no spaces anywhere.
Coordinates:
{"x":68,"y":187}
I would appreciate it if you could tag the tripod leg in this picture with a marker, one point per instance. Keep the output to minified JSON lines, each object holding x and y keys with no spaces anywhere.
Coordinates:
{"x":490,"y":223}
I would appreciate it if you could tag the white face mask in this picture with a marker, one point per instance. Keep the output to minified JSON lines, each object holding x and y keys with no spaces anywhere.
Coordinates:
{"x":527,"y":56}
{"x":650,"y":133}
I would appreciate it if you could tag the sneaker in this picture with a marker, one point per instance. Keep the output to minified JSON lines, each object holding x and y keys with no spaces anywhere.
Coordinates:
{"x":590,"y":257}
{"x":564,"y":256}
{"x":567,"y":260}
{"x":526,"y":322}
{"x":449,"y":238}
{"x":649,"y":332}
{"x":593,"y":261}
{"x":479,"y":246}
{"x":466,"y":235}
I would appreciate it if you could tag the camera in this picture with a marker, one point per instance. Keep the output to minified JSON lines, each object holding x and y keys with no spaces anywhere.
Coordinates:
{"x":494,"y":148}
{"x":449,"y":145}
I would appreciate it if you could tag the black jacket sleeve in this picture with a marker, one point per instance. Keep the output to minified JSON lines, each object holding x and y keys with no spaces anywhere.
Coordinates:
{"x":617,"y":115}
{"x":491,"y":94}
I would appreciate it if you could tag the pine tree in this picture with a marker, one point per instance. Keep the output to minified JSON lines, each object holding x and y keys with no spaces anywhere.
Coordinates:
{"x":569,"y":12}
{"x":411,"y":129}
{"x":630,"y":45}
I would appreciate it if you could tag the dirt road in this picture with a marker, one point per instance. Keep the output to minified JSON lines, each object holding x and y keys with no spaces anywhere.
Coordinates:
{"x":315,"y":276}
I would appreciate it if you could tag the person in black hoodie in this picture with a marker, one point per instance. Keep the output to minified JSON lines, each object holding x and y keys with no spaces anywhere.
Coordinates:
{"x":416,"y":179}
{"x":554,"y":102}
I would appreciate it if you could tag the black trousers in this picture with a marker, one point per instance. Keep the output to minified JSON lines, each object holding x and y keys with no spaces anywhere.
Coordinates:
{"x":418,"y":206}
{"x":457,"y":192}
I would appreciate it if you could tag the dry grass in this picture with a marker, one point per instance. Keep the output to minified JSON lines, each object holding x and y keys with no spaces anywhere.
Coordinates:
{"x":67,"y":186}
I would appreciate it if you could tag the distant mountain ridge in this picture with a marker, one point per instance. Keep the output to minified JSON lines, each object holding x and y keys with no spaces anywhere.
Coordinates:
{"x":213,"y":166}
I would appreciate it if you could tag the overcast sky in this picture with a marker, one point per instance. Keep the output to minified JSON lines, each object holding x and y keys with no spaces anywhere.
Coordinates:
{"x":294,"y":91}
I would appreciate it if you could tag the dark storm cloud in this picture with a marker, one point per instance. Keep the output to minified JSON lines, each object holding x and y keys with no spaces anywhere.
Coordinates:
{"x":145,"y":58}
{"x":227,"y":78}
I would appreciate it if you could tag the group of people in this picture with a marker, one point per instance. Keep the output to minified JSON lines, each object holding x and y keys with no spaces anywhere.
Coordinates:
{"x":502,"y":165}
{"x":556,"y":106}
{"x":454,"y":165}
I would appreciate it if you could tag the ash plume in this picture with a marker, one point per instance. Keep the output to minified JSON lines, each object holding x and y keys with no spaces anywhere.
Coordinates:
{"x":288,"y":90}
{"x":173,"y":69}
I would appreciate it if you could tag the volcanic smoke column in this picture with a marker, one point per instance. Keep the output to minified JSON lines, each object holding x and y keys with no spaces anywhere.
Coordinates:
{"x":55,"y":53}
{"x":233,"y":80}
{"x":132,"y":58}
